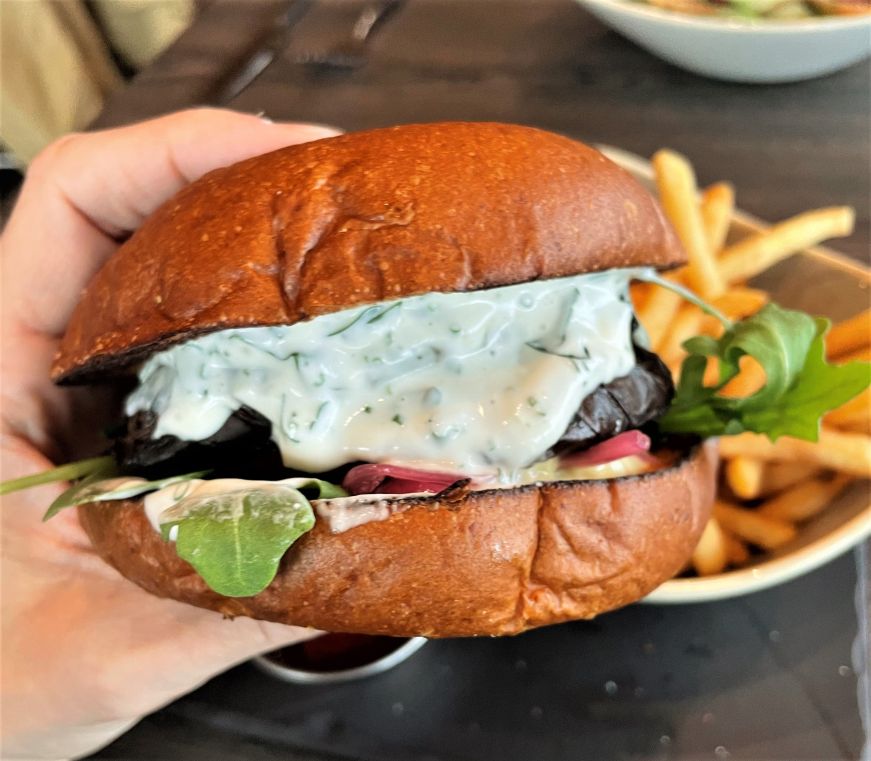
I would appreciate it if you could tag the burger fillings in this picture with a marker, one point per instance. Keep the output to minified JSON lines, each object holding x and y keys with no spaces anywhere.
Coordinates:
{"x":511,"y":364}
{"x":479,"y":383}
{"x":571,"y":385}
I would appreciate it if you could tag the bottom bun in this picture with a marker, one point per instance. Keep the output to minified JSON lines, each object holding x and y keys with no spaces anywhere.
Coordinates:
{"x":495,"y":562}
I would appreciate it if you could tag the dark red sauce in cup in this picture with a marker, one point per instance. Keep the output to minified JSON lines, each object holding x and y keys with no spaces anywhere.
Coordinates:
{"x":336,"y":652}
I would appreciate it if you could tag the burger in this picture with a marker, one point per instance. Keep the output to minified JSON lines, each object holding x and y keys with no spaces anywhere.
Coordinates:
{"x":391,"y":382}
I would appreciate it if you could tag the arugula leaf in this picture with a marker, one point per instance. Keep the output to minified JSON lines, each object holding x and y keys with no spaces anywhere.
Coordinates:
{"x":235,"y":541}
{"x":69,"y":472}
{"x":322,"y":489}
{"x":96,"y":488}
{"x":820,"y":387}
{"x":800,"y":385}
{"x":68,"y":497}
{"x":650,"y":275}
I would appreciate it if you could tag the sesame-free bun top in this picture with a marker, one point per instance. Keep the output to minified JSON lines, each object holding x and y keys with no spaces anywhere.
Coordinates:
{"x":357,"y":219}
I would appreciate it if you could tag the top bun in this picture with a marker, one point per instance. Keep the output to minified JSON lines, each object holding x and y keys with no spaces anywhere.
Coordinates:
{"x":357,"y":219}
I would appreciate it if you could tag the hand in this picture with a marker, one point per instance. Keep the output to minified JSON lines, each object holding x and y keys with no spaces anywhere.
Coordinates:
{"x":86,"y":653}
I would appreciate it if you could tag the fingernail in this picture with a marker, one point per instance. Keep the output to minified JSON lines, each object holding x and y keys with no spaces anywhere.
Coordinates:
{"x":312,"y":131}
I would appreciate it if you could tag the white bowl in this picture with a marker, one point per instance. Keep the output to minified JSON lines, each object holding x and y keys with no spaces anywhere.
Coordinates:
{"x":377,"y":666}
{"x":737,"y":49}
{"x":842,"y":526}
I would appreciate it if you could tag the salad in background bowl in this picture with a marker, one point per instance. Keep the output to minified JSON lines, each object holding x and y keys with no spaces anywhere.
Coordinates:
{"x":754,"y":41}
{"x":764,"y":9}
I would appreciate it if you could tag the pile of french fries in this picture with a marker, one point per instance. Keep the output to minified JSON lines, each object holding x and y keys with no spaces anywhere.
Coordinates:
{"x":767,"y":490}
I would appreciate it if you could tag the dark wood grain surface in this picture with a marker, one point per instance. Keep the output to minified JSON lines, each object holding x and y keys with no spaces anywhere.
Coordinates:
{"x":769,"y":676}
{"x":762,"y":678}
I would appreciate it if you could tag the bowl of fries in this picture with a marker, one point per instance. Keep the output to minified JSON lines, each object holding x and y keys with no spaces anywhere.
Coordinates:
{"x":786,"y":507}
{"x":740,"y":49}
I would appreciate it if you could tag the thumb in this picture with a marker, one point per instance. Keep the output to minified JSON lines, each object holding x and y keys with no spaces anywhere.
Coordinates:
{"x":86,"y":191}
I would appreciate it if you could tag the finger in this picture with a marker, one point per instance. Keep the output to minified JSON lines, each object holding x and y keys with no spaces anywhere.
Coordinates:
{"x":211,"y":644}
{"x":85,"y":191}
{"x":135,"y":169}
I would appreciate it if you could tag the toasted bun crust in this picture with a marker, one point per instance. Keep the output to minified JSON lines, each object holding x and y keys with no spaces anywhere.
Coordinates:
{"x":357,"y":219}
{"x":496,"y":562}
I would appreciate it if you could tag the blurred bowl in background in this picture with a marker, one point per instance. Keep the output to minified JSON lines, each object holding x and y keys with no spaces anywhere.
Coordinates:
{"x":839,"y":528}
{"x":333,"y":658}
{"x":738,"y":50}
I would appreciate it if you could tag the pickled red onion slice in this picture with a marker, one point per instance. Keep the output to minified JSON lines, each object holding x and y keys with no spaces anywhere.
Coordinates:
{"x":622,"y":445}
{"x":374,"y":478}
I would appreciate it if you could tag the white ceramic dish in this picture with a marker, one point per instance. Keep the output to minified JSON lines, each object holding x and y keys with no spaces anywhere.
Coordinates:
{"x":379,"y":666}
{"x":840,"y":287}
{"x":741,"y":50}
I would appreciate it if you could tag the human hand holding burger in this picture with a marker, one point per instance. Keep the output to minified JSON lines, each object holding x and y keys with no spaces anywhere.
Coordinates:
{"x":86,"y":653}
{"x":392,"y":382}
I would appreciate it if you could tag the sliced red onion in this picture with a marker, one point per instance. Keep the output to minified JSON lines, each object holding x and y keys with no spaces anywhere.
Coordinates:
{"x":376,"y":478}
{"x":622,"y":445}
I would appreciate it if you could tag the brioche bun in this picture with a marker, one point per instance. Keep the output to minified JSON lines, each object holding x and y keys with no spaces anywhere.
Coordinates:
{"x":362,"y":218}
{"x":491,"y":563}
{"x":356,"y":219}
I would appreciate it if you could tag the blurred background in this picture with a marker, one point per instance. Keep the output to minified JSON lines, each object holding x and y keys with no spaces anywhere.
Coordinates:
{"x":68,"y":64}
{"x":60,"y":60}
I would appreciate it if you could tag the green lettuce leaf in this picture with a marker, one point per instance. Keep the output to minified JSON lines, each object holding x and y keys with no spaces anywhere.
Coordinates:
{"x":801,"y":386}
{"x":321,"y":489}
{"x":97,"y":488}
{"x":100,"y":466}
{"x":235,"y":541}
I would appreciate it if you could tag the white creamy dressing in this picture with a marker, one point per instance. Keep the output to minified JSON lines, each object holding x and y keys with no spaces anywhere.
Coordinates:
{"x":470,"y":382}
{"x":340,"y":513}
{"x":157,"y":502}
{"x":344,"y":513}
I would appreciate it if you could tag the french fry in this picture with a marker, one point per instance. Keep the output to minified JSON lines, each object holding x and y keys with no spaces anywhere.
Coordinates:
{"x":712,"y":372}
{"x":758,"y":252}
{"x":748,"y":381}
{"x":685,"y":325}
{"x":838,"y":450}
{"x":744,"y":476}
{"x":792,"y":476}
{"x":778,"y":476}
{"x":849,"y":335}
{"x":657,"y":313}
{"x":638,"y":294}
{"x":855,"y":415}
{"x":736,"y":303}
{"x":739,"y":302}
{"x":804,"y":500}
{"x":710,"y":555}
{"x":676,"y":182}
{"x":718,"y":203}
{"x":764,"y":532}
{"x":859,"y":355}
{"x":737,"y":553}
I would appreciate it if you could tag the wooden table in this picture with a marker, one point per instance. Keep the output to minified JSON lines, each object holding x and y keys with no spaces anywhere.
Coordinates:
{"x":764,"y":676}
